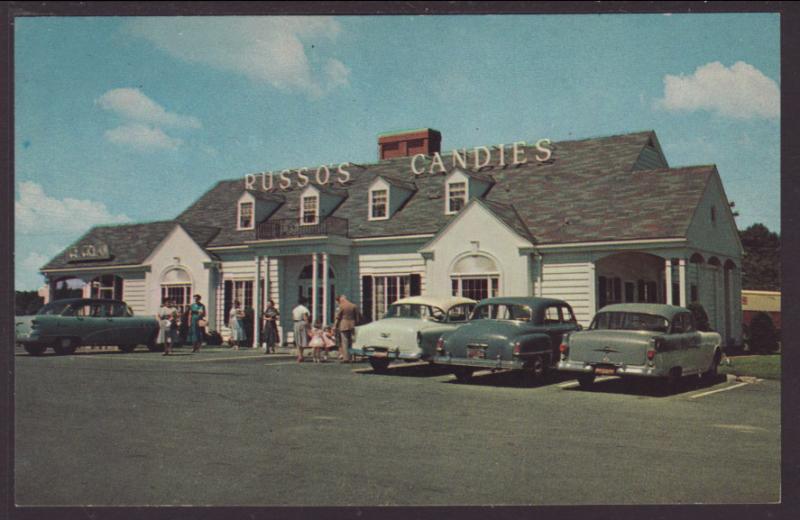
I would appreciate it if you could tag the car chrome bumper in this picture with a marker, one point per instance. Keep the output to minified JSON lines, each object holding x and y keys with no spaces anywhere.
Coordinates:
{"x":383,"y":352}
{"x":514,"y":364}
{"x":620,"y":370}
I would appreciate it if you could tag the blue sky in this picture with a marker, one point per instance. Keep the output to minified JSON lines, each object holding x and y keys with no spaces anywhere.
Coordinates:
{"x":131,"y":119}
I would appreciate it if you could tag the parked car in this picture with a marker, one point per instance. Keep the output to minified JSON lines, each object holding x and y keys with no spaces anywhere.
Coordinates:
{"x":508,"y":333}
{"x":641,"y":340}
{"x":67,"y":324}
{"x":398,"y":334}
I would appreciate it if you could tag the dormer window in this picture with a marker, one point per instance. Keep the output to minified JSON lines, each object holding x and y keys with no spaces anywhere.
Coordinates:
{"x":379,"y":204}
{"x":309,"y":210}
{"x":246,"y":220}
{"x":456,"y":196}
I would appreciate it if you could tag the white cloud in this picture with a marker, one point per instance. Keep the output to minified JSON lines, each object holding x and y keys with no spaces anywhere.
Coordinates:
{"x":142,"y":137}
{"x":37,"y":213}
{"x":284,"y":51}
{"x":740,"y":91}
{"x":34,"y":261}
{"x":132,"y":104}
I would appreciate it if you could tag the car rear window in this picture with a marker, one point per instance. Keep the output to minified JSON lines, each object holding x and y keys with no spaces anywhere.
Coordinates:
{"x":629,"y":321}
{"x":414,"y":310}
{"x":502,"y":311}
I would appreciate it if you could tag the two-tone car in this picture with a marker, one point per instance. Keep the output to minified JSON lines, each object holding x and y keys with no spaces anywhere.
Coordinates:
{"x":67,"y":324}
{"x":398,"y":335}
{"x":643,"y":341}
{"x":520,"y":333}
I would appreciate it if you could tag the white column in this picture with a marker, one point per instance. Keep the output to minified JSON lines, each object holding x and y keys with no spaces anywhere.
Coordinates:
{"x":682,"y":280}
{"x":257,"y":310}
{"x":314,"y":278}
{"x":668,"y":281}
{"x":592,"y":285}
{"x":325,"y":296}
{"x":267,"y":294}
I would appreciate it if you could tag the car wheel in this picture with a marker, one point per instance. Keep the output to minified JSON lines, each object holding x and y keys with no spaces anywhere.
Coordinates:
{"x":463,"y":374}
{"x":585,"y":380}
{"x":35,"y":350}
{"x":535,"y":370}
{"x":379,"y":364}
{"x":711,"y":374}
{"x":127,"y":348}
{"x":65,"y":346}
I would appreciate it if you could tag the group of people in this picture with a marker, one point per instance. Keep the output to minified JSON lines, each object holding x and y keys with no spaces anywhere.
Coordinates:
{"x":171,"y":321}
{"x":320,"y":339}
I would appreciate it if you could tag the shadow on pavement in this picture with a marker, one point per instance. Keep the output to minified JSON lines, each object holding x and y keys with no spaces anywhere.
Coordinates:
{"x":408,"y":370}
{"x":648,"y":387}
{"x":511,"y":379}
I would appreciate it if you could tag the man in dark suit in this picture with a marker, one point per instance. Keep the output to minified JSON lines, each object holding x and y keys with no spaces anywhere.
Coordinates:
{"x":346,"y":320}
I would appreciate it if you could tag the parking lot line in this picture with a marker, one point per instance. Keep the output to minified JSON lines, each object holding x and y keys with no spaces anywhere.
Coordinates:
{"x":703,"y":394}
{"x":572,"y":384}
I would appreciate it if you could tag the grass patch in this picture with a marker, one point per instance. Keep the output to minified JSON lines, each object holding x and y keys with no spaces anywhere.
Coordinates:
{"x":764,"y":367}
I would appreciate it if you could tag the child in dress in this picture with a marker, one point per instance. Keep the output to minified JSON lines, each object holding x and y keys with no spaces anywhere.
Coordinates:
{"x":329,"y":337}
{"x":317,"y":342}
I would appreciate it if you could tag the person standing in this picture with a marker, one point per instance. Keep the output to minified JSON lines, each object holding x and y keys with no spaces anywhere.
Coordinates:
{"x":197,"y":313}
{"x":301,"y":316}
{"x":270,"y":333}
{"x":163,"y":317}
{"x":172,"y":333}
{"x":235,"y":324}
{"x":346,"y":320}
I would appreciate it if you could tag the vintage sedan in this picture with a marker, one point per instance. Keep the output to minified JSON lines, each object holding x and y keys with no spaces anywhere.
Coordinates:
{"x":398,"y":335}
{"x":521,"y":333}
{"x":67,"y":324}
{"x":641,"y":340}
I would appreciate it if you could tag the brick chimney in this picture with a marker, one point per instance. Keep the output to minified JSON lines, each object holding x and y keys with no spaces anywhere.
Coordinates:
{"x":409,"y":142}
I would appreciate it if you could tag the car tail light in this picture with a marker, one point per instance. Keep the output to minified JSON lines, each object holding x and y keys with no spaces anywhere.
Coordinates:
{"x":440,"y":345}
{"x":651,"y":354}
{"x":517,"y":348}
{"x":563,"y":348}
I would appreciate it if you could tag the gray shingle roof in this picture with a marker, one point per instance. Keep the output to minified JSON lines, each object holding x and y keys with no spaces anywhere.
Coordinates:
{"x":587,"y":191}
{"x":129,"y":243}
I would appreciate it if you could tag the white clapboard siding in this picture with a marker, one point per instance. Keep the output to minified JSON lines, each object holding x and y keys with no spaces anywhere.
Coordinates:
{"x":134,"y":292}
{"x":569,"y":282}
{"x":239,"y":269}
{"x":399,"y":264}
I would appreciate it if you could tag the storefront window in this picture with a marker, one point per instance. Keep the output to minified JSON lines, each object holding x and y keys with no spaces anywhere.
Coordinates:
{"x":107,"y":286}
{"x":476,"y":277}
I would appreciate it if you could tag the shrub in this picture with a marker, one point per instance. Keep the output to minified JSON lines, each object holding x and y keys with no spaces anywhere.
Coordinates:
{"x":763,"y":335}
{"x":700,"y":316}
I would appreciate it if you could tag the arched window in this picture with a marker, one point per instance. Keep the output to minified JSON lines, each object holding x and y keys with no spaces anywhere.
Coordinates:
{"x":475,"y":276}
{"x":176,"y":285}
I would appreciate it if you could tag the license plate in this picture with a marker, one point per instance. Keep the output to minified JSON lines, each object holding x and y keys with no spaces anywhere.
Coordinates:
{"x":380,"y":354}
{"x":476,"y":353}
{"x":605,"y":371}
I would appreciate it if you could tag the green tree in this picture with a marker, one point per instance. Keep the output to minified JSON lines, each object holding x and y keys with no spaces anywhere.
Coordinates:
{"x":27,"y":302}
{"x":761,"y":265}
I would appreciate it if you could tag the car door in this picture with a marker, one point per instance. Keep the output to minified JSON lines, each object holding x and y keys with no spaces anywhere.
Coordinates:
{"x":698,"y":355}
{"x":106,"y":332}
{"x":558,"y":320}
{"x":679,"y":343}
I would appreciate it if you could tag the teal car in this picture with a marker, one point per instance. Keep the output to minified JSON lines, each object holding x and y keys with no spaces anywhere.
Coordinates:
{"x":67,"y":324}
{"x":399,"y":334}
{"x":520,"y":333}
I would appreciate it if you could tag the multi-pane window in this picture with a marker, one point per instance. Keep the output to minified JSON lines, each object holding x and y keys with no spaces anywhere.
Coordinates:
{"x":474,"y":287}
{"x":309,"y":209}
{"x":246,"y":215}
{"x":379,"y":204}
{"x":387,"y":290}
{"x":456,"y":196}
{"x":180,"y":294}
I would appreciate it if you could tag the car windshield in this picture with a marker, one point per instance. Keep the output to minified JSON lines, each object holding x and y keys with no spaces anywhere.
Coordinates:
{"x":502,"y":311}
{"x":414,"y":310}
{"x":53,"y":308}
{"x":629,"y":321}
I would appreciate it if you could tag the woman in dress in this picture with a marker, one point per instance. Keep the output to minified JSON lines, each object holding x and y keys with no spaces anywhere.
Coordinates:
{"x":270,"y":332}
{"x":163,"y":323}
{"x":197,"y":312}
{"x":235,"y":324}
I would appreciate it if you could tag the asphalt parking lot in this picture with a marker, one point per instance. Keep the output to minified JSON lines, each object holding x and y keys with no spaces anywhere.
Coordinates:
{"x":241,"y":428}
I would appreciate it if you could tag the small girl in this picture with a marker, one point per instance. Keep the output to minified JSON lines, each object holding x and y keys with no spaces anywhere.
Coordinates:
{"x":317,"y":341}
{"x":329,"y":337}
